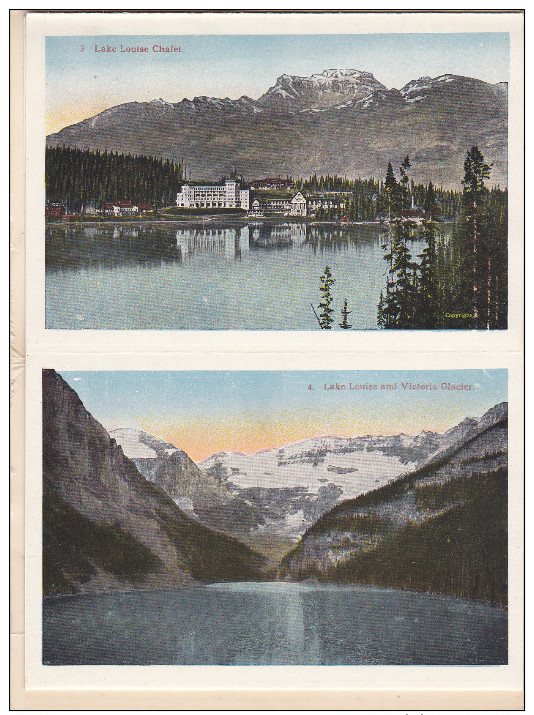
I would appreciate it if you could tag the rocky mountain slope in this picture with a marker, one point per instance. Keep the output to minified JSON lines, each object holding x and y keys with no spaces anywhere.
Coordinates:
{"x":171,"y":469}
{"x":105,"y":526}
{"x":441,"y":528}
{"x":340,"y":121}
{"x":202,"y":495}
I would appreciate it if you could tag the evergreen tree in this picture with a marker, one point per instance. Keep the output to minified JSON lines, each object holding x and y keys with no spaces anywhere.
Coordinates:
{"x":476,"y":171}
{"x":389,"y":203}
{"x":404,"y":275}
{"x":391,"y":182}
{"x":345,"y":312}
{"x":380,"y":318}
{"x":397,"y":309}
{"x":389,"y":304}
{"x":426,"y":308}
{"x":497,"y":263}
{"x":325,"y":306}
{"x":404,"y":183}
{"x":430,"y":200}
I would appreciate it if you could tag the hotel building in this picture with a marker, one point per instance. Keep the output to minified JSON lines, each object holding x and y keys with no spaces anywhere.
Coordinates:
{"x":226,"y":196}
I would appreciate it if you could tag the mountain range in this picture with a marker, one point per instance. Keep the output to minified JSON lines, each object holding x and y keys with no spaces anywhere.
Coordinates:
{"x":425,"y":512}
{"x":340,"y":121}
{"x":281,"y":492}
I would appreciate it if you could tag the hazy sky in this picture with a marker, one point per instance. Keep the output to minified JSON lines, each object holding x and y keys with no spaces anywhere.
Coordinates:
{"x":82,"y":82}
{"x":208,"y":412}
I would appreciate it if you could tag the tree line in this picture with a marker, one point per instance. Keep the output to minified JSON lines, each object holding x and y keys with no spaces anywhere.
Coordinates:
{"x":367,"y":199}
{"x":454,"y":282}
{"x":462,"y":551}
{"x":79,"y":177}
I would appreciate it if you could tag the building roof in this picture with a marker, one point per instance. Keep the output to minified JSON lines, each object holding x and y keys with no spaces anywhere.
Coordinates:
{"x":411,"y":213}
{"x":265,"y":194}
{"x":272,"y":180}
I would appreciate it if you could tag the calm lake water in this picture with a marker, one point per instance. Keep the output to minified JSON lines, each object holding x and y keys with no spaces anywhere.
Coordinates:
{"x":272,"y":624}
{"x":259,"y":275}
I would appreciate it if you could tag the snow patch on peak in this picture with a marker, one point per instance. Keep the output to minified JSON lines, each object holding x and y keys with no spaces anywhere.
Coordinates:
{"x":137,"y":444}
{"x":417,"y":85}
{"x":366,"y":101}
{"x":130,"y":433}
{"x":494,"y":415}
{"x":132,"y":446}
{"x":340,"y":74}
{"x":282,"y":92}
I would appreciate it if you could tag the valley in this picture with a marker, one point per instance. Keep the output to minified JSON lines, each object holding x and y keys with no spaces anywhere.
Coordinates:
{"x":127,"y":509}
{"x":333,"y":550}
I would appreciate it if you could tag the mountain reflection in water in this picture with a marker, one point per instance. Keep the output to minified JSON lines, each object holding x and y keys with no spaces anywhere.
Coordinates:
{"x":258,"y":275}
{"x":272,"y":624}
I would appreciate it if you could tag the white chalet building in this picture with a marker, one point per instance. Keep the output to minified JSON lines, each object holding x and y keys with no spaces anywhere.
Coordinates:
{"x":285,"y":205}
{"x":226,"y":196}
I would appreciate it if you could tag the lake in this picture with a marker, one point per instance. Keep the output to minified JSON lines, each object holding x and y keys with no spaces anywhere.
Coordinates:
{"x":261,"y":275}
{"x":272,"y":623}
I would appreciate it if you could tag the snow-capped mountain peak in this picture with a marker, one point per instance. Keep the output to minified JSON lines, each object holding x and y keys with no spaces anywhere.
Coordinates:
{"x":137,"y":444}
{"x":283,"y":490}
{"x":161,"y":102}
{"x":332,"y":74}
{"x":319,"y":91}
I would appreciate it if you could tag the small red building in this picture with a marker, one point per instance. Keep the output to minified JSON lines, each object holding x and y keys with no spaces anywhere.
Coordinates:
{"x":411,"y":213}
{"x":54,"y":211}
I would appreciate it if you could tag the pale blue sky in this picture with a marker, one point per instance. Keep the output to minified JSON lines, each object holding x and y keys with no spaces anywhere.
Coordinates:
{"x":206,"y":412}
{"x":81,"y":82}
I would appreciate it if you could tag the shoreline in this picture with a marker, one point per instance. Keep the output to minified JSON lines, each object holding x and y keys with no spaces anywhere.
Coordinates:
{"x":209,"y":219}
{"x":311,"y":583}
{"x":215,"y":219}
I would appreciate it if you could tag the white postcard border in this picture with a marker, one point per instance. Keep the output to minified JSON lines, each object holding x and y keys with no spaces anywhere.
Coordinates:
{"x":46,"y":340}
{"x":38,"y":676}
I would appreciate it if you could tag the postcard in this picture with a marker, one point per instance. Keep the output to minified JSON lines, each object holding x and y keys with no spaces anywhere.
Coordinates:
{"x":288,"y":181}
{"x":336,"y":518}
{"x":325,"y":526}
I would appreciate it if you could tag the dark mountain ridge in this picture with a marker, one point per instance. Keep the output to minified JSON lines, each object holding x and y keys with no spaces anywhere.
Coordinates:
{"x":105,"y":526}
{"x":442,"y":528}
{"x":338,"y":122}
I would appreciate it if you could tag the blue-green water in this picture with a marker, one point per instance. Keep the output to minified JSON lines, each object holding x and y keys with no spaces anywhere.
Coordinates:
{"x":258,"y":276}
{"x":272,"y":624}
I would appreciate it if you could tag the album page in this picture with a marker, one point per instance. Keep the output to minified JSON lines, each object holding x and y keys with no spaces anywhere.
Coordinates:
{"x":267,"y":360}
